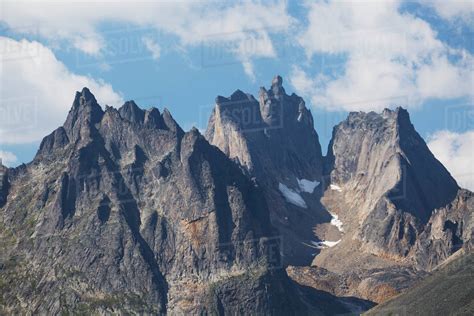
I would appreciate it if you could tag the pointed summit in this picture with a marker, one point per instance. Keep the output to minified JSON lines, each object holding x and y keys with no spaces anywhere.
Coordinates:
{"x":131,"y":112}
{"x":84,"y":98}
{"x":153,"y":118}
{"x":277,"y":81}
{"x":85,"y":111}
{"x":277,"y":85}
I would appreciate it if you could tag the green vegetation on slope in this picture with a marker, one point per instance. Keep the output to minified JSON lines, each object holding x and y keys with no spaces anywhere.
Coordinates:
{"x":449,"y":291}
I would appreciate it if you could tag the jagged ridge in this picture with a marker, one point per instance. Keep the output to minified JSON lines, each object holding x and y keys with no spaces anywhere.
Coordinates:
{"x":121,"y":209}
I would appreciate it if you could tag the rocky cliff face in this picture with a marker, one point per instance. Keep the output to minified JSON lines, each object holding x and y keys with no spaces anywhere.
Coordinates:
{"x":392,"y":184}
{"x":123,"y":211}
{"x":401,"y":210}
{"x":274,"y":139}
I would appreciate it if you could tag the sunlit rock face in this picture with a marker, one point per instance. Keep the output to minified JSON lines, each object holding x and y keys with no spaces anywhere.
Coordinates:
{"x":402,"y":212}
{"x":392,"y":183}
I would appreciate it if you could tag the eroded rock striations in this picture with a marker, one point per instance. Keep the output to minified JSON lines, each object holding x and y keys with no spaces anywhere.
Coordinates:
{"x":122,"y":211}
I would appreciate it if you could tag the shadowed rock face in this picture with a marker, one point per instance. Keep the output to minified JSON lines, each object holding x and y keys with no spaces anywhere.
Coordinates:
{"x":121,"y":210}
{"x":274,"y":139}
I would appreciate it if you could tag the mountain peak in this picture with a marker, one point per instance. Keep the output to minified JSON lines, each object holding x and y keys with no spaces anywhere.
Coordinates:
{"x":85,"y":111}
{"x":277,"y":81}
{"x":131,"y":112}
{"x":277,"y":86}
{"x":274,"y":140}
{"x":83,"y":98}
{"x":382,"y":159}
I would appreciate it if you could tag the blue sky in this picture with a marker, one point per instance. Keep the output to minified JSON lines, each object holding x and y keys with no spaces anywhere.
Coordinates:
{"x":339,"y":56}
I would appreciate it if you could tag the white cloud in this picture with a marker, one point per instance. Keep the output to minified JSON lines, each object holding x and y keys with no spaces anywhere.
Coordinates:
{"x":375,"y":56}
{"x":234,"y":25}
{"x":460,"y":9}
{"x":7,"y":158}
{"x":37,"y":90}
{"x":90,"y":45}
{"x":249,"y":70}
{"x":456,"y":152}
{"x":153,"y":47}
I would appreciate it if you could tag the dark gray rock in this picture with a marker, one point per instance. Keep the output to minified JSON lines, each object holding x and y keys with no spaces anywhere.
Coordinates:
{"x":131,"y":112}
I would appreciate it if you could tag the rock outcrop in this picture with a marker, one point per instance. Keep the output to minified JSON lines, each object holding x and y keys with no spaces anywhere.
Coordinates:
{"x":274,"y":139}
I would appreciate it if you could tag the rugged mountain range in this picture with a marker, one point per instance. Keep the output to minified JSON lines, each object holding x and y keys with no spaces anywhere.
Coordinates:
{"x":382,"y":212}
{"x":121,"y":211}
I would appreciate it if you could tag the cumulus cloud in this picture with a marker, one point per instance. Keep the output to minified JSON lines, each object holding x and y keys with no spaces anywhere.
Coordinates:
{"x":233,"y":25}
{"x":456,"y":152}
{"x":375,"y":56}
{"x":461,"y":9}
{"x":37,"y":90}
{"x":7,"y":158}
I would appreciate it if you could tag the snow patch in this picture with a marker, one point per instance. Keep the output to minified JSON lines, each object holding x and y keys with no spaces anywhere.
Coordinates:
{"x":335,"y":221}
{"x":300,"y":117}
{"x":307,"y":185}
{"x":325,"y":244}
{"x":335,"y":187}
{"x":292,"y":196}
